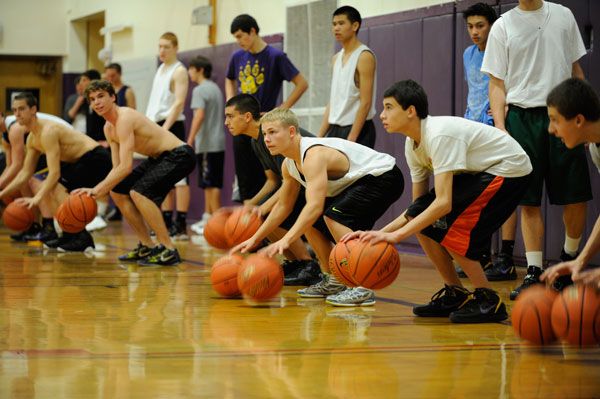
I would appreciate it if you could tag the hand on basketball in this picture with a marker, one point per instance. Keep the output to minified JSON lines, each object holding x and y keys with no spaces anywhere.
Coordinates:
{"x":278,"y":247}
{"x":571,"y":267}
{"x":591,"y":277}
{"x":243,"y":247}
{"x":87,"y":191}
{"x":375,"y":236}
{"x":27,"y":201}
{"x":350,"y":236}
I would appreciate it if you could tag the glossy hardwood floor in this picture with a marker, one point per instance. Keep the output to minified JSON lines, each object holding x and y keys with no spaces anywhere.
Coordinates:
{"x":87,"y":326}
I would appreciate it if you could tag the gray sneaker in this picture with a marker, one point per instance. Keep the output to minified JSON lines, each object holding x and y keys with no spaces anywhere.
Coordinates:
{"x":358,"y":296}
{"x":329,"y":285}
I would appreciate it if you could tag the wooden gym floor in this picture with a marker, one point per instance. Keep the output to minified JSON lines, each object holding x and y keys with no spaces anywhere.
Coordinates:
{"x":86,"y":326}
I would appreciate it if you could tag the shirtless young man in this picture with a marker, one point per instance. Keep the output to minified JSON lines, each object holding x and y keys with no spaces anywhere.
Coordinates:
{"x":74,"y":160}
{"x":139,"y":192}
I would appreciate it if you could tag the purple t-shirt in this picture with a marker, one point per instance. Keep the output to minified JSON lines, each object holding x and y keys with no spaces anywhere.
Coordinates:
{"x":261,"y":74}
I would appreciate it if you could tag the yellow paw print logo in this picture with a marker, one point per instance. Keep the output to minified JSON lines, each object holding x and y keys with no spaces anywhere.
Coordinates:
{"x":251,"y":77}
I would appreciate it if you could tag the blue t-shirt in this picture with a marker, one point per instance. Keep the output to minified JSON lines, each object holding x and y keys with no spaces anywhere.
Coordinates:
{"x":478,"y":101}
{"x":261,"y":74}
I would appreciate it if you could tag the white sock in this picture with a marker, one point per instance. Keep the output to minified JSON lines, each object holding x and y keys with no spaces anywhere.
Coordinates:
{"x":571,"y":245}
{"x":102,"y":206}
{"x":205,"y":216}
{"x":535,"y":258}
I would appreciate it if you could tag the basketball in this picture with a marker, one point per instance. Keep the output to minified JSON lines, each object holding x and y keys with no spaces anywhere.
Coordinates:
{"x":241,"y":225}
{"x":338,"y":262}
{"x":223,"y":275}
{"x":67,"y":221}
{"x":18,"y":217}
{"x":82,"y":206}
{"x":374,"y":266}
{"x":214,"y":230}
{"x":260,"y":277}
{"x":576,"y":315}
{"x":531,"y":315}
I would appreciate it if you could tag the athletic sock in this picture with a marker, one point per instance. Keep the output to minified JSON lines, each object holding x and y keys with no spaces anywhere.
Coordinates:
{"x":168,"y":217}
{"x":508,"y":247}
{"x":571,"y":245}
{"x":534,"y":258}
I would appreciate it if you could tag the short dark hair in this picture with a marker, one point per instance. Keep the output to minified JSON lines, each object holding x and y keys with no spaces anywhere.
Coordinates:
{"x":28,"y":97}
{"x":99,"y":85}
{"x":245,"y":23}
{"x":115,"y":66}
{"x":245,"y":103}
{"x":573,"y":97}
{"x":351,"y":13}
{"x":481,"y":9}
{"x":407,"y":93}
{"x":91,"y":74}
{"x":201,"y":62}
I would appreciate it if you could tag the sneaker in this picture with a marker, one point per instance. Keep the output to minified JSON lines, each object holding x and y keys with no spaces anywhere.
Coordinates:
{"x":445,"y":301}
{"x":178,"y":232}
{"x":53,"y":244}
{"x":43,"y":235}
{"x":20,"y":237}
{"x":96,"y":224}
{"x":290,"y":267}
{"x":502,"y":270}
{"x":79,"y":242}
{"x":485,"y":263}
{"x":138,"y":253}
{"x":461,"y":273}
{"x":307,"y":272}
{"x":358,"y":296}
{"x":198,"y":227}
{"x":485,"y":306}
{"x":532,"y":277}
{"x":161,"y":256}
{"x":113,"y":214}
{"x":327,"y":286}
{"x":563,"y":282}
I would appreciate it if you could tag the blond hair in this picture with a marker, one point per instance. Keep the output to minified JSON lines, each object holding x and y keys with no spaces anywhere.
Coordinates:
{"x":170,"y":36}
{"x":282,"y":115}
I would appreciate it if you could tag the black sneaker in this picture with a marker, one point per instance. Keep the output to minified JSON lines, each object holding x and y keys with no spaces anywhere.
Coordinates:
{"x":78,"y":243}
{"x":532,"y":277}
{"x":20,"y":237}
{"x":290,"y":267}
{"x":485,"y":306}
{"x":563,"y":282}
{"x":138,"y":253}
{"x":308,"y":273}
{"x":161,"y":256}
{"x":53,"y":244}
{"x":444,"y":302}
{"x":178,"y":231}
{"x":502,"y":270}
{"x":45,"y":234}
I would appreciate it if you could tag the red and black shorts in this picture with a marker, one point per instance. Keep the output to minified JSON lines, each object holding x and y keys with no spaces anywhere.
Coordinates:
{"x":481,"y":203}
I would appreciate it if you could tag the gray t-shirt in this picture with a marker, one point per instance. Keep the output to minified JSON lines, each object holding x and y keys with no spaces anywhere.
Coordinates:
{"x":211,"y":137}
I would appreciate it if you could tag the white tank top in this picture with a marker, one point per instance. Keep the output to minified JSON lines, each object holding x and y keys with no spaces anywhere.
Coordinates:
{"x":344,"y":99}
{"x":161,"y":98}
{"x":363,"y":161}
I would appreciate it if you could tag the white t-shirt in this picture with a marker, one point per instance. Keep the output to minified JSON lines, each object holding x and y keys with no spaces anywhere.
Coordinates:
{"x":363,"y":161}
{"x":532,"y":52}
{"x":453,"y":144}
{"x":595,"y":153}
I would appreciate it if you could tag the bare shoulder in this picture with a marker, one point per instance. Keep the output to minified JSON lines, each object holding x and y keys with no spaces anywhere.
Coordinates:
{"x":366,"y":58}
{"x":317,"y":156}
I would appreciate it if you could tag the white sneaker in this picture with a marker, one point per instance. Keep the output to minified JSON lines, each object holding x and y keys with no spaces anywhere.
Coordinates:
{"x":97,"y":224}
{"x":198,"y":227}
{"x":358,"y":296}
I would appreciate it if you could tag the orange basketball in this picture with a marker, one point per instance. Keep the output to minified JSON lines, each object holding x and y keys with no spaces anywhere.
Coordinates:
{"x":18,"y":217}
{"x":531,"y":315}
{"x":374,"y":266}
{"x":338,"y":262}
{"x":241,"y":225}
{"x":260,"y":277}
{"x":223,"y":275}
{"x":82,"y":207}
{"x":576,"y":315}
{"x":67,"y":221}
{"x":214,"y":229}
